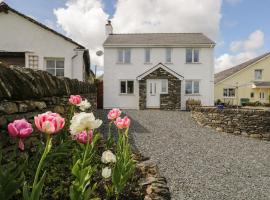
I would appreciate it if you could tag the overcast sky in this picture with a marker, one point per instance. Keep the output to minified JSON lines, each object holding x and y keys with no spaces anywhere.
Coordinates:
{"x":239,"y":27}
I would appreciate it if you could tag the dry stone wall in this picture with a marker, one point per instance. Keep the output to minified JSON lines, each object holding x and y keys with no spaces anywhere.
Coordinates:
{"x":251,"y":123}
{"x":25,"y":93}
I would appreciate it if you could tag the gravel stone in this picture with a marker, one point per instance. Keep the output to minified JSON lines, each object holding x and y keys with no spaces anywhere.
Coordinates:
{"x":201,"y":163}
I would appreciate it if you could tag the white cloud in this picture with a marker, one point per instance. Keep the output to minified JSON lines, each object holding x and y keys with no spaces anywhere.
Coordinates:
{"x":241,"y":51}
{"x":84,"y":20}
{"x":168,"y":16}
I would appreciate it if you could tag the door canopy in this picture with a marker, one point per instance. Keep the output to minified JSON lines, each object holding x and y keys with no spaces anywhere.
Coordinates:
{"x":162,"y":66}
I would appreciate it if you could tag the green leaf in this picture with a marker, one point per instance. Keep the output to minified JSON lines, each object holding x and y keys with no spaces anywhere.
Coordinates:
{"x":26,"y":192}
{"x":36,"y":191}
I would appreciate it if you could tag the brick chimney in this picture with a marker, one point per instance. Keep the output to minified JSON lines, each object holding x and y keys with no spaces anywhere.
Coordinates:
{"x":108,"y":28}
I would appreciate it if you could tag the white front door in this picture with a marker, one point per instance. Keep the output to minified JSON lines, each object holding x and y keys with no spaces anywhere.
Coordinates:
{"x":153,"y":93}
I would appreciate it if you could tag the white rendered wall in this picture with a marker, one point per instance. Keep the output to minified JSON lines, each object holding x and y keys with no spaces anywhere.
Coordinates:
{"x":113,"y":72}
{"x":20,"y":35}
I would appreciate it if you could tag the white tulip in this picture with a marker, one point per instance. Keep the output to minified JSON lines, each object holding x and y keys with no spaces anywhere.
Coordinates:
{"x":83,"y":121}
{"x":106,"y":172}
{"x":84,"y":105}
{"x":108,"y":157}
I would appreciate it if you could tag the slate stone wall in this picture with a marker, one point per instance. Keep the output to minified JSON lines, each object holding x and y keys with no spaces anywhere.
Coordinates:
{"x":25,"y":93}
{"x":250,"y":123}
{"x":170,"y":101}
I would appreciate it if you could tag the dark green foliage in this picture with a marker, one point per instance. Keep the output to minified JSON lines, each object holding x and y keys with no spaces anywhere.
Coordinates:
{"x":11,"y":174}
{"x":124,"y":167}
{"x":83,"y":170}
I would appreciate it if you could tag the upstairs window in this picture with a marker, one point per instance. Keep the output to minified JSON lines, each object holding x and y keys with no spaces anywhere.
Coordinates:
{"x":126,"y":87}
{"x":192,"y":55}
{"x":168,"y":55}
{"x":55,"y":66}
{"x":192,"y":87}
{"x":229,"y":92}
{"x":124,"y":55}
{"x":147,"y":55}
{"x":258,"y":74}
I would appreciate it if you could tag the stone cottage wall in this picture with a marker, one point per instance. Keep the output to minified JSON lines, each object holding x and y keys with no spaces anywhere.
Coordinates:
{"x":251,"y":123}
{"x":25,"y":93}
{"x":170,"y":101}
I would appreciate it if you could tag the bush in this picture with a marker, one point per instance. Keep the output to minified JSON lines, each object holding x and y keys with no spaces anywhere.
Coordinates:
{"x":256,"y":103}
{"x":192,"y":103}
{"x":218,"y":102}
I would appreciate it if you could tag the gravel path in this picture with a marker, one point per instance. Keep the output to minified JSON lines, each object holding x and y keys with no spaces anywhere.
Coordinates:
{"x":200,"y":163}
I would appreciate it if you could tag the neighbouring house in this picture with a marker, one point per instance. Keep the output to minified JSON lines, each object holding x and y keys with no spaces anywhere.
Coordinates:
{"x":157,"y":70}
{"x":247,"y":82}
{"x":27,"y":43}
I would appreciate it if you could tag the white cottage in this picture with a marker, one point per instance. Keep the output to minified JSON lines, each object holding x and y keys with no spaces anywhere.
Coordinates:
{"x":27,"y":43}
{"x":157,"y":70}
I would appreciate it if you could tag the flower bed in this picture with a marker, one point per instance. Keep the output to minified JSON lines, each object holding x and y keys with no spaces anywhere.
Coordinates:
{"x":68,"y":159}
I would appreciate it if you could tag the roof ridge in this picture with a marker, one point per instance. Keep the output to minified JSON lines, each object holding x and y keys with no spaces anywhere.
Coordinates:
{"x":157,"y":33}
{"x":252,"y":60}
{"x":239,"y":67}
{"x":4,"y":7}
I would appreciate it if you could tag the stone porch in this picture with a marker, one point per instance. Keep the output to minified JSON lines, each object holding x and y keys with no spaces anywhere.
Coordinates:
{"x":170,"y":101}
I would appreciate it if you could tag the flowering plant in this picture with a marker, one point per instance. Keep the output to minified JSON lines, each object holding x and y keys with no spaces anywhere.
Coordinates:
{"x":20,"y":129}
{"x":93,"y":170}
{"x":48,"y":123}
{"x":75,"y":99}
{"x":82,"y":128}
{"x":112,"y":116}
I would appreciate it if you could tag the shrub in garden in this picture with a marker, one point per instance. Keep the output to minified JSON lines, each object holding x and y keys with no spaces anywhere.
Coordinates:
{"x":97,"y":171}
{"x":192,"y":103}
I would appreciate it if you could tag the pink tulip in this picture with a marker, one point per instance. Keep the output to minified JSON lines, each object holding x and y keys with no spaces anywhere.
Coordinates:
{"x":114,"y":114}
{"x":83,"y":137}
{"x":122,"y":123}
{"x":20,"y":129}
{"x":49,"y":122}
{"x":75,"y":99}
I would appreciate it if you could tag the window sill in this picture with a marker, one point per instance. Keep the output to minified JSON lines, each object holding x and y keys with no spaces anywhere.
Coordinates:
{"x":120,"y":63}
{"x":168,"y":63}
{"x":121,"y":94}
{"x":194,"y":63}
{"x":193,"y":95}
{"x":148,"y":63}
{"x":229,"y":97}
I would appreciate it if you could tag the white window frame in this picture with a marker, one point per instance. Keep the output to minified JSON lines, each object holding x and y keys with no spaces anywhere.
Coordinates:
{"x":55,"y":68}
{"x":122,"y":55}
{"x":228,"y":92}
{"x":166,"y":84}
{"x":192,"y":87}
{"x":255,"y":74}
{"x":126,"y":87}
{"x":168,"y":55}
{"x":192,"y":54}
{"x":145,"y":55}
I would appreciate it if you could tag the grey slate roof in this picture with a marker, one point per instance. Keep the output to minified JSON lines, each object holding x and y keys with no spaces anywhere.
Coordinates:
{"x":262,"y":84}
{"x":157,"y":39}
{"x":229,"y":72}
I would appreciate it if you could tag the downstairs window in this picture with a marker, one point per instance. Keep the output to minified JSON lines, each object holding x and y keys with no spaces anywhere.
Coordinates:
{"x":126,"y":87}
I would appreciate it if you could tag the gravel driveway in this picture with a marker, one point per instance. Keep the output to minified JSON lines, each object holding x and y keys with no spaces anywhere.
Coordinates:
{"x":200,"y":163}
